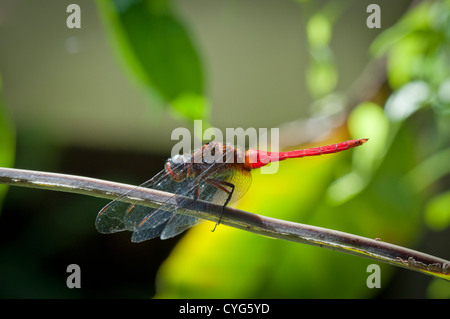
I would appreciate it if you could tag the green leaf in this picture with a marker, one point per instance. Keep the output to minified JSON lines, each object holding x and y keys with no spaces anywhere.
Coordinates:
{"x":321,"y":78}
{"x":191,"y":106}
{"x":158,"y":51}
{"x":437,"y":212}
{"x":407,"y":100}
{"x":429,"y":171}
{"x":417,"y":46}
{"x":368,"y":120}
{"x":318,"y":30}
{"x":439,"y":289}
{"x":7,"y":141}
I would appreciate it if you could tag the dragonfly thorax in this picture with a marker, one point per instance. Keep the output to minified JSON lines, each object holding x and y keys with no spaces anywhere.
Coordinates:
{"x":212,"y":154}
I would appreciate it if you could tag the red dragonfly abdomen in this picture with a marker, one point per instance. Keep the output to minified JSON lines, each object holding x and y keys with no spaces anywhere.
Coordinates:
{"x":256,"y":158}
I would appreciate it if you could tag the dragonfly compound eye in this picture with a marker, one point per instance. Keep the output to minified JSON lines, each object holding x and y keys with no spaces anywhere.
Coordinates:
{"x":176,"y":168}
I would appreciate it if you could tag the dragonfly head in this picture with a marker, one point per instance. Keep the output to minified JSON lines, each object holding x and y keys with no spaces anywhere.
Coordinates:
{"x":177,"y":167}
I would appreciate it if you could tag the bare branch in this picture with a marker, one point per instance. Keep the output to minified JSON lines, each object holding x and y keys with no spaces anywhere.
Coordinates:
{"x":270,"y":227}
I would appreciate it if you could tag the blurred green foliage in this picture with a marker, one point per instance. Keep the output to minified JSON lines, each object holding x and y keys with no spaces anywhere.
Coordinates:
{"x":322,"y":73}
{"x":158,"y":53}
{"x":392,"y":190}
{"x":417,"y":46}
{"x":7,"y":141}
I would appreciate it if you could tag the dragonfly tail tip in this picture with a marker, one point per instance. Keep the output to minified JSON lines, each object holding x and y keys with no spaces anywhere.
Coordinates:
{"x":363,"y":140}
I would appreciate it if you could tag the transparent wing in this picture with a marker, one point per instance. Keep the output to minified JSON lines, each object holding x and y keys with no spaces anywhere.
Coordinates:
{"x":119,"y":216}
{"x":241,"y":180}
{"x":208,"y":192}
{"x":146,"y":222}
{"x":174,"y":225}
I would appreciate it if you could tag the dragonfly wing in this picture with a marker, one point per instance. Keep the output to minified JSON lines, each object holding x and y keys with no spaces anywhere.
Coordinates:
{"x":146,"y":222}
{"x":165,"y":218}
{"x":178,"y":224}
{"x":148,"y":233}
{"x":119,"y":216}
{"x":207,"y":192}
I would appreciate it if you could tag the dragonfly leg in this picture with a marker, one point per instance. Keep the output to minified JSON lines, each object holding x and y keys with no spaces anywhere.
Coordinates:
{"x":196,"y":193}
{"x":220,"y":185}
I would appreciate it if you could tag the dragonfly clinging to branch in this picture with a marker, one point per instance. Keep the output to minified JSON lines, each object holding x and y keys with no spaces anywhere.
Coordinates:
{"x":215,"y":172}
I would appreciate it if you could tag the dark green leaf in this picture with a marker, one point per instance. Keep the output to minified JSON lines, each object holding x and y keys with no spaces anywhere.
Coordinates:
{"x":158,"y":50}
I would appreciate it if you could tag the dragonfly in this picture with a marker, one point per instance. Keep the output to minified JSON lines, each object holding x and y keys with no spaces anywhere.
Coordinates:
{"x":216,"y":172}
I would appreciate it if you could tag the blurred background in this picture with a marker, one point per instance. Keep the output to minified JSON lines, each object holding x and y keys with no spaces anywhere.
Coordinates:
{"x":102,"y":100}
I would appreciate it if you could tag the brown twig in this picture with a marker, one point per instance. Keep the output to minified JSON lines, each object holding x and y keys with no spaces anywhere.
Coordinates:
{"x":270,"y":227}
